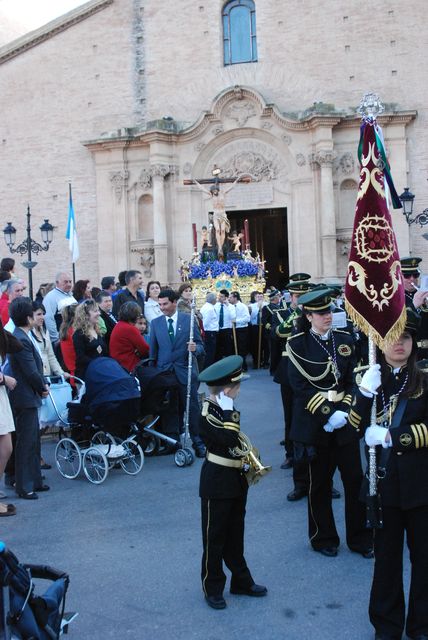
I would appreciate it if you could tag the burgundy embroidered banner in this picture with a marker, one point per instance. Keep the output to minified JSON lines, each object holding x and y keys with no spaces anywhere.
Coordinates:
{"x":374,"y":290}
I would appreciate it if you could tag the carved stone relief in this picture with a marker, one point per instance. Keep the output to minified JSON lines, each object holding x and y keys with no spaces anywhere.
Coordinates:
{"x":241,"y":112}
{"x":145,"y":179}
{"x":118,"y":180}
{"x":218,"y":130}
{"x":147,"y":259}
{"x":255,"y":158}
{"x":286,"y":139}
{"x":187,"y":168}
{"x":159,"y":170}
{"x":347,"y":163}
{"x":300,"y":159}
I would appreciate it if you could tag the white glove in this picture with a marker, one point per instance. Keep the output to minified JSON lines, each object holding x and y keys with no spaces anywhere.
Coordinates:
{"x":225,"y":402}
{"x":336,"y":421}
{"x":376,"y":435}
{"x":371,"y":379}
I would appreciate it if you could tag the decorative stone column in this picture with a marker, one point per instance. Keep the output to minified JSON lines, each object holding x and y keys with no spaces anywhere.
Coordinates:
{"x":114,"y":259}
{"x":158,"y":173}
{"x":325,"y":159}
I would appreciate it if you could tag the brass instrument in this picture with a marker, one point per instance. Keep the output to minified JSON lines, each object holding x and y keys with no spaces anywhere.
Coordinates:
{"x":254,"y":470}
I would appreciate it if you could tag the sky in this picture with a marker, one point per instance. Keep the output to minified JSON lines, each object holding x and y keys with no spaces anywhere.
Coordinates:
{"x":20,"y":16}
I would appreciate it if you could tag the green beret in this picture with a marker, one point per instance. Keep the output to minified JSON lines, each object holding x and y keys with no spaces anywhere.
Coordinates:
{"x":222,"y":373}
{"x":317,"y":300}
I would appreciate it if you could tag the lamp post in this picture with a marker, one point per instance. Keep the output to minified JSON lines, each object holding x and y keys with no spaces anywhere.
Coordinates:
{"x":407,"y":198}
{"x":28,"y":246}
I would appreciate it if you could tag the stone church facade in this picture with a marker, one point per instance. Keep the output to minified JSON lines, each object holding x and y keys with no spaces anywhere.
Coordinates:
{"x":129,"y":98}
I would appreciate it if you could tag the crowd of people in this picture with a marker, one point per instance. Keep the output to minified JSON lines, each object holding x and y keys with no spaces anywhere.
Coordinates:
{"x":303,"y":336}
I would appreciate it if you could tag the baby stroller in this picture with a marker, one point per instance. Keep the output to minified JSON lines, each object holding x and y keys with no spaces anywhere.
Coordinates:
{"x":102,"y":425}
{"x":159,"y":397}
{"x":23,"y":615}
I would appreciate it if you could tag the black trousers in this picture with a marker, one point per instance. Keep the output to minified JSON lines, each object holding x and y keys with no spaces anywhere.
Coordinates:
{"x":242,"y":343}
{"x":210,"y":343}
{"x":254,"y":345}
{"x":28,"y":475}
{"x":387,"y":607}
{"x":322,"y":527}
{"x":275,"y":353}
{"x":223,"y":540}
{"x":224,"y":344}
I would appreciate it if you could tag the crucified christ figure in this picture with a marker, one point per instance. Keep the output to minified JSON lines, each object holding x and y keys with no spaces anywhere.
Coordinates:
{"x":220,"y":219}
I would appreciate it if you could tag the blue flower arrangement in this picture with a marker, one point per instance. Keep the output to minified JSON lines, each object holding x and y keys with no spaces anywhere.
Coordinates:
{"x":216,"y":268}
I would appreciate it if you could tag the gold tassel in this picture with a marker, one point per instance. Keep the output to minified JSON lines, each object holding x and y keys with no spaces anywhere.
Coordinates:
{"x":363,"y":325}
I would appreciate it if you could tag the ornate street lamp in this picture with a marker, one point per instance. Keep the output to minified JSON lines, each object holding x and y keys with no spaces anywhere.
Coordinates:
{"x":407,"y":198}
{"x":28,"y":246}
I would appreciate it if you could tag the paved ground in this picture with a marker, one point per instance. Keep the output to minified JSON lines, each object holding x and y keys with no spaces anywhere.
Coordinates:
{"x":132,"y":548}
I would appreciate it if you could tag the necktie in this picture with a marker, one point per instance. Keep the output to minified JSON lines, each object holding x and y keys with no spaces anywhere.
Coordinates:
{"x":171,"y":329}
{"x":221,"y":318}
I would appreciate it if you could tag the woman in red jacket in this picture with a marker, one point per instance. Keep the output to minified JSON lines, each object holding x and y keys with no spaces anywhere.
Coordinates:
{"x":127,"y":345}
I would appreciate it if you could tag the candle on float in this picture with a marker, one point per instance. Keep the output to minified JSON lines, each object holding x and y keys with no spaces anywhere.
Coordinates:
{"x":195,"y":237}
{"x":246,"y":234}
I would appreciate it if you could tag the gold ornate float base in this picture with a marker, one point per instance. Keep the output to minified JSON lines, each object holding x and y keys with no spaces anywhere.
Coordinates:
{"x":244,"y":285}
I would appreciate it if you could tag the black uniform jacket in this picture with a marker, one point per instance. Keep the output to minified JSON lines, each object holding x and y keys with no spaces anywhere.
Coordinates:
{"x":273,"y":315}
{"x":311,"y":410}
{"x":220,"y":430}
{"x":406,"y":481}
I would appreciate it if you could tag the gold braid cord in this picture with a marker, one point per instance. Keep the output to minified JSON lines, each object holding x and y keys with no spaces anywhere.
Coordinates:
{"x":294,"y":359}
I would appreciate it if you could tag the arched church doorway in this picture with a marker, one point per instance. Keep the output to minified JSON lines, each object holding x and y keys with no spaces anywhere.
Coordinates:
{"x":268,"y":237}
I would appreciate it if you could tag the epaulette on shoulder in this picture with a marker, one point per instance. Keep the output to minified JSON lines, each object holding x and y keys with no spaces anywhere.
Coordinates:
{"x":342,"y":331}
{"x":296,"y":335}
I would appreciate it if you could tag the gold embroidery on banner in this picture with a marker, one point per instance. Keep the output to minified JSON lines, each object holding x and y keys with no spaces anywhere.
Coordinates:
{"x":385,"y":294}
{"x":370,"y":177}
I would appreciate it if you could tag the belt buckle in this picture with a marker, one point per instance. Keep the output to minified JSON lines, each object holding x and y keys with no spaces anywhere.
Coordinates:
{"x":331,"y":395}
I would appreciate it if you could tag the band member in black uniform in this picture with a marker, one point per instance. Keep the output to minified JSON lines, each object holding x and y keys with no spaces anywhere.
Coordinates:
{"x":283,"y":332}
{"x":272,"y":315}
{"x":402,"y":430}
{"x":223,"y":487}
{"x":320,"y":370}
{"x":416,"y":300}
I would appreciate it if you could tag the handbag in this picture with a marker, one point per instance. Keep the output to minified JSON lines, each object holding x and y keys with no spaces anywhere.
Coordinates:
{"x":54,"y":407}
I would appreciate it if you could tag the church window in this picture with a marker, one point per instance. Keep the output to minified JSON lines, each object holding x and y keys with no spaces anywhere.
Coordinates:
{"x":239,"y":32}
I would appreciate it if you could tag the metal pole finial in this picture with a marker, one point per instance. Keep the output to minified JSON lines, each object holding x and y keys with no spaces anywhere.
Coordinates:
{"x":370,"y":106}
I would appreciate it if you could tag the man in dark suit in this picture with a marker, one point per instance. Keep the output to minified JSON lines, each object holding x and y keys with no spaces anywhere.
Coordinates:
{"x":27,"y":368}
{"x":170,"y":346}
{"x":105,"y":303}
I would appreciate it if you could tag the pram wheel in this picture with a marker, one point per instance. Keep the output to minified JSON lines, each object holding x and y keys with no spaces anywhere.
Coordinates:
{"x":183,"y":457}
{"x":68,"y":458}
{"x":150,"y":444}
{"x":101,"y":437}
{"x":133,"y":457}
{"x":190,"y":458}
{"x":95,"y":465}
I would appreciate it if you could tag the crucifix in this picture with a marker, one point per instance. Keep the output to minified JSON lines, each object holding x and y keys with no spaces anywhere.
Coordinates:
{"x":217,"y":194}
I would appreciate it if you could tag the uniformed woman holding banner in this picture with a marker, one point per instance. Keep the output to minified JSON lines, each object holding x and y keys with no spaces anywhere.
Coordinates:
{"x":401,"y":440}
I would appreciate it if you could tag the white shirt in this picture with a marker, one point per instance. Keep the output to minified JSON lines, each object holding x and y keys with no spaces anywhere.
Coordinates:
{"x":254,"y":307}
{"x":242,"y":315}
{"x":229,"y":314}
{"x":209,"y":317}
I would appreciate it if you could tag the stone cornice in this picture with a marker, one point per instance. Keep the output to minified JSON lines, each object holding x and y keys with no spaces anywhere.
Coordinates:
{"x":51,"y":29}
{"x":393,"y":117}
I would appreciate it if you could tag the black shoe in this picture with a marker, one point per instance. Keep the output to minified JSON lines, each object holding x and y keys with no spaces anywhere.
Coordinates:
{"x":282,"y":443}
{"x":9,"y":481}
{"x":45,"y":466}
{"x":287,"y":464}
{"x":296,"y":494}
{"x":330,"y":552}
{"x":216,"y":602}
{"x":32,"y":495}
{"x":335,"y":494}
{"x":367,"y":553}
{"x":385,"y":636}
{"x":44,"y":487}
{"x":200,"y":450}
{"x":255,"y":591}
{"x":424,"y":636}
